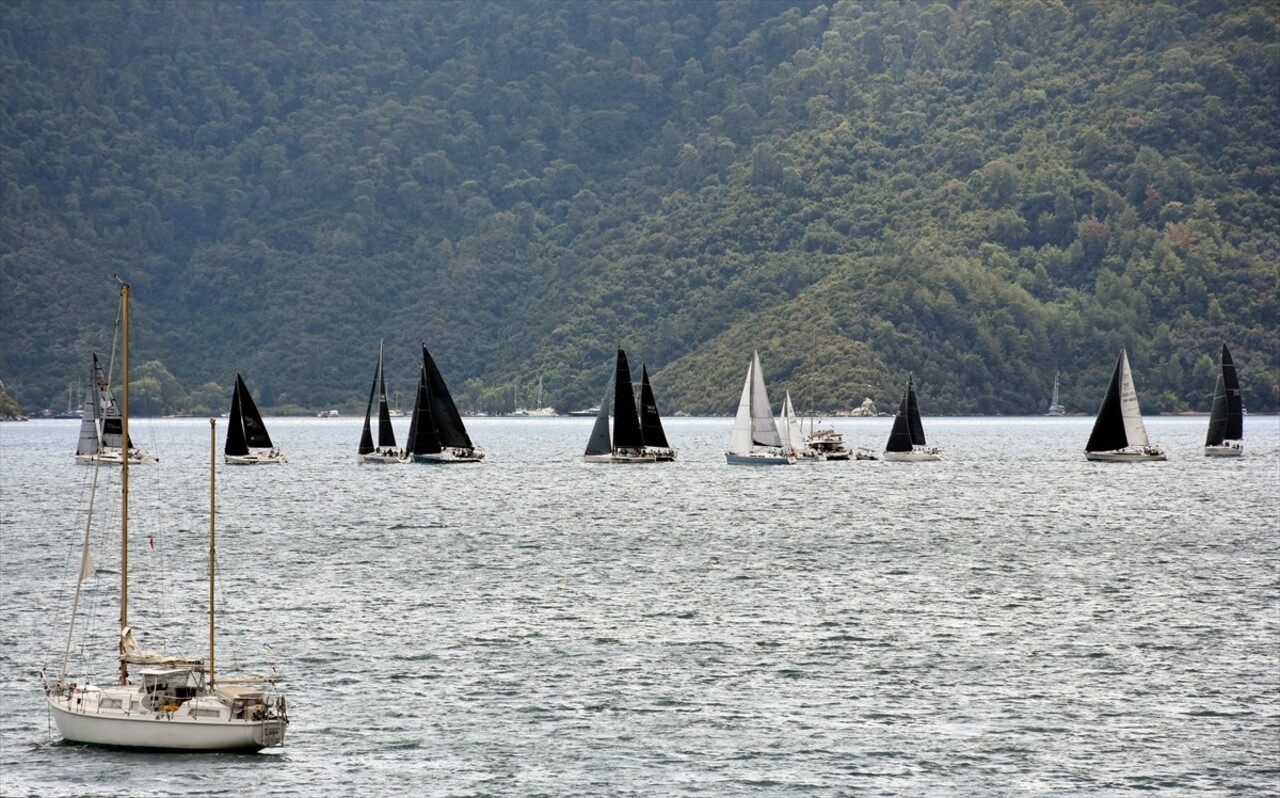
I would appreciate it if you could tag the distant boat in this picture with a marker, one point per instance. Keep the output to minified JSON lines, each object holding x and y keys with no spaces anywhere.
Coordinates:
{"x":1226,"y":420}
{"x":754,"y":427}
{"x":791,"y":431}
{"x":585,"y":412}
{"x":655,"y":438}
{"x":436,"y":431}
{"x":248,"y":442}
{"x":101,"y":434}
{"x":627,"y":443}
{"x":159,"y":701}
{"x":385,"y":451}
{"x":1119,"y":436}
{"x":1055,"y":409}
{"x":906,"y":440}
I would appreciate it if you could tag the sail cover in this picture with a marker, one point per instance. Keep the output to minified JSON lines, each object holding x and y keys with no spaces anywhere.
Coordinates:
{"x":448,"y":421}
{"x":626,"y":422}
{"x":763,"y":429}
{"x":650,"y":421}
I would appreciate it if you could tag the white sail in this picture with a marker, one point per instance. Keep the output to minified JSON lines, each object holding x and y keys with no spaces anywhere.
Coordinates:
{"x":764,"y":431}
{"x":1134,"y":429}
{"x":740,"y":437}
{"x":790,"y":431}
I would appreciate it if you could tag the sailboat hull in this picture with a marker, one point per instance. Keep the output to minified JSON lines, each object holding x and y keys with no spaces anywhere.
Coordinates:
{"x":376,"y":458}
{"x":254,"y":458}
{"x":1151,"y":455}
{"x":917,"y":455}
{"x":620,"y":458}
{"x":114,"y":457}
{"x":157,"y":731}
{"x":449,"y":456}
{"x":758,"y":459}
{"x":1235,"y":449}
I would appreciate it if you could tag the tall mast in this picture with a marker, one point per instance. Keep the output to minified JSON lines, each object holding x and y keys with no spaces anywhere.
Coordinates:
{"x":124,"y":479}
{"x":213,"y":506}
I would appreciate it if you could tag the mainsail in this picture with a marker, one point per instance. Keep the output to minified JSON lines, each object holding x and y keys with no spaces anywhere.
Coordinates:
{"x":1119,"y":422}
{"x":650,"y":421}
{"x":1226,"y":420}
{"x":449,"y":429}
{"x":908,"y":430}
{"x":599,"y":443}
{"x":626,"y":422}
{"x":245,"y":429}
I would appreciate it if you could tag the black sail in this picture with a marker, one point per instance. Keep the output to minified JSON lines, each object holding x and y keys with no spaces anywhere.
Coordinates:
{"x":1226,"y":420}
{"x":626,"y":422}
{"x":255,"y":432}
{"x":386,"y":433}
{"x":450,"y":431}
{"x":913,"y":415}
{"x":1108,"y":428}
{"x":599,"y":443}
{"x":422,"y":438}
{"x":900,"y":435}
{"x":650,"y":421}
{"x":366,"y":434}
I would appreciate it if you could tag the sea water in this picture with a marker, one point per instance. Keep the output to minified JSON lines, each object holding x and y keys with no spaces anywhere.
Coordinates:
{"x":1011,"y":621}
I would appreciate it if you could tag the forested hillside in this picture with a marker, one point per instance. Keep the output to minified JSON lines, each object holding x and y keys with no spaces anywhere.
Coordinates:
{"x":982,"y":193}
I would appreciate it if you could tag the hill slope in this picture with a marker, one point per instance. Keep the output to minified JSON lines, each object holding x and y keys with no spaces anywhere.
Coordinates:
{"x":981,"y":194}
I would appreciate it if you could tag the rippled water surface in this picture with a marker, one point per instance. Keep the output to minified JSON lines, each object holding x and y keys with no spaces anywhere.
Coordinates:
{"x":1011,"y":621}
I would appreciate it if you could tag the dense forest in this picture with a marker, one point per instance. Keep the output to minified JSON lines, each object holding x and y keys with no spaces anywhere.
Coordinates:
{"x":983,"y":194}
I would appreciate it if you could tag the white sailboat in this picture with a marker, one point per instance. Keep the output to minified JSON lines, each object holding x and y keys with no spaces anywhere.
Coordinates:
{"x":906,"y":440}
{"x":101,"y":437}
{"x":248,"y":442}
{"x":386,"y":451}
{"x":161,"y":702}
{"x":1119,"y":436}
{"x":754,"y":427}
{"x":791,"y":431}
{"x":1225,"y":437}
{"x":1055,"y":409}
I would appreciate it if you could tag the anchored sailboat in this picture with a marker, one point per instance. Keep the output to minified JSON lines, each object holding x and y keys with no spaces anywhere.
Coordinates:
{"x":161,"y":701}
{"x":101,"y":436}
{"x":753,"y":426}
{"x":436,"y":431}
{"x":906,"y":440}
{"x":386,"y":451}
{"x":247,"y":440}
{"x":1119,"y":436}
{"x":627,"y":444}
{"x":1055,"y":409}
{"x":1226,"y":421}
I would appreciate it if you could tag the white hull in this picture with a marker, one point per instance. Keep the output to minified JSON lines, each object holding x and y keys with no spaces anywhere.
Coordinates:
{"x":615,"y":457}
{"x":1225,"y":450}
{"x":254,"y":458}
{"x":758,"y":458}
{"x":450,"y":456}
{"x":115,"y":457}
{"x":917,"y":455}
{"x":1149,"y":455}
{"x":170,"y":731}
{"x":374,"y":458}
